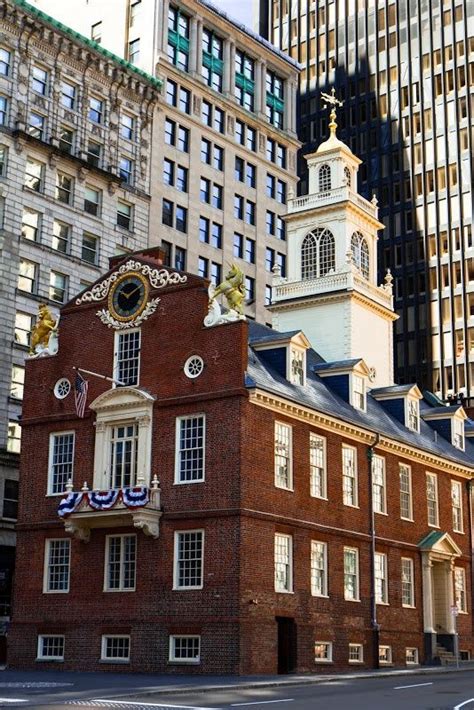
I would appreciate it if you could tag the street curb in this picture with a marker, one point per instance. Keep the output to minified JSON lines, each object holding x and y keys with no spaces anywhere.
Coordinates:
{"x":295,"y":682}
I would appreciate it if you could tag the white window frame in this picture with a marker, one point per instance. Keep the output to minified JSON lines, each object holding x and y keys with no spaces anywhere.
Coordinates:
{"x":379,"y":483}
{"x":412,"y":416}
{"x":457,"y":512}
{"x":52,"y":439}
{"x":360,"y":648}
{"x":172,"y":649}
{"x":460,"y":573}
{"x":117,"y":338}
{"x":414,"y":652}
{"x":434,"y":478}
{"x":301,"y":357}
{"x":279,"y":426}
{"x":316,"y":571}
{"x":407,"y":562}
{"x":177,"y":473}
{"x":358,"y":394}
{"x":286,"y":588}
{"x":47,"y":562}
{"x":317,"y":472}
{"x":176,"y":560}
{"x":381,"y":596}
{"x":408,"y":493}
{"x":113,"y":408}
{"x":355,"y":552}
{"x":388,"y":661}
{"x":328,"y":648}
{"x":103,"y":648}
{"x":121,"y":587}
{"x":457,"y":433}
{"x":40,"y":650}
{"x":354,"y":502}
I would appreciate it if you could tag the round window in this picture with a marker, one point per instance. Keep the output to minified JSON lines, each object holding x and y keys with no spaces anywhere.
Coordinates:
{"x":62,"y":388}
{"x":193,"y":366}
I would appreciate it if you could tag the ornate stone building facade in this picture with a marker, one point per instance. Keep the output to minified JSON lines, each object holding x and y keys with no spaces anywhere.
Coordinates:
{"x":75,"y":134}
{"x":226,"y":158}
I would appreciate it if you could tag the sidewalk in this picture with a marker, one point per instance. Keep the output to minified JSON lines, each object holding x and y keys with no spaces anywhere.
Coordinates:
{"x":142,"y":685}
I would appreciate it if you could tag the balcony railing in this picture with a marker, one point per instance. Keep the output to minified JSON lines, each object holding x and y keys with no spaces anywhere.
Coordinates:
{"x":84,"y":510}
{"x":329,"y":197}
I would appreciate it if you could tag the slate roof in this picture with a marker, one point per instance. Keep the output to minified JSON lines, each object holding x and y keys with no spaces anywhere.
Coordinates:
{"x":394,"y":389}
{"x":448,"y":410}
{"x":337,"y":364}
{"x":274,"y":337}
{"x":316,"y":394}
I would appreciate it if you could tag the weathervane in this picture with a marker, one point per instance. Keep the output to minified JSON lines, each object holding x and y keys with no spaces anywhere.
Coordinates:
{"x":331,"y":100}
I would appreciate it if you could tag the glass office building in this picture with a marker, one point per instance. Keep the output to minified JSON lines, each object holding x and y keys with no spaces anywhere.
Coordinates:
{"x":405,"y":71}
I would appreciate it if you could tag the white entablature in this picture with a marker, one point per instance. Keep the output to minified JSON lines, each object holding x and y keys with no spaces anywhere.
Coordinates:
{"x":331,"y":289}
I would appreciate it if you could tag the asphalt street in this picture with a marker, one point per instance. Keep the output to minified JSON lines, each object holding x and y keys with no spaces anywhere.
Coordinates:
{"x":63,"y":691}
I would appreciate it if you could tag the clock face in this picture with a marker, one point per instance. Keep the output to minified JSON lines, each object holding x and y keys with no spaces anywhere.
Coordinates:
{"x":128,"y":297}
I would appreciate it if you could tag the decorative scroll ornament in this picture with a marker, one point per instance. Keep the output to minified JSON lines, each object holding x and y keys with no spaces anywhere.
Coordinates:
{"x":44,"y":334}
{"x":111,"y":322}
{"x":158,"y":278}
{"x":233,"y":288}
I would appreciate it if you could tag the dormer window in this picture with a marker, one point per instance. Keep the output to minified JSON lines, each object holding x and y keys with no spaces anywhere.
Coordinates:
{"x":458,"y":433}
{"x":297,"y":366}
{"x":324,"y":178}
{"x":413,"y":415}
{"x":359,"y":399}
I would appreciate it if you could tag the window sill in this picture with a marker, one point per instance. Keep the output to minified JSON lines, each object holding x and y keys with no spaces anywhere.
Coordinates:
{"x":352,"y":600}
{"x":407,"y":520}
{"x":323,"y":660}
{"x":355,"y":663}
{"x":382,"y":603}
{"x":49,"y":660}
{"x":381,"y":512}
{"x":187,"y":483}
{"x":319,"y":497}
{"x":408,"y":606}
{"x":183,"y":662}
{"x":284,"y":591}
{"x":284,"y":488}
{"x":187,"y":589}
{"x":113,"y":661}
{"x":320,"y":596}
{"x":351,"y":505}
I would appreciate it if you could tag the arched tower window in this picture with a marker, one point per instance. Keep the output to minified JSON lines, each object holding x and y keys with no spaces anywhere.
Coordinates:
{"x":318,"y":254}
{"x":360,"y":254}
{"x":324,"y":178}
{"x":347,"y":175}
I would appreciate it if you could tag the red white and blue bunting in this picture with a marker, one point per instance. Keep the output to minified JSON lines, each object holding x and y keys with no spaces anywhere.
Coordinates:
{"x":135,"y":497}
{"x":69,"y":504}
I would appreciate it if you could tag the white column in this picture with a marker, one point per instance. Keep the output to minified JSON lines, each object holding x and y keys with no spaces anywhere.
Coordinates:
{"x":289,"y":117}
{"x":450,"y":625}
{"x":229,"y":67}
{"x":164,"y":27}
{"x":195,"y":46}
{"x":260,"y":77}
{"x":427,"y":594}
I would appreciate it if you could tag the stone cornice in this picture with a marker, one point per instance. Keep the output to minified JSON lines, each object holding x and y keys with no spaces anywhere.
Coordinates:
{"x":327,"y":422}
{"x":331,"y":297}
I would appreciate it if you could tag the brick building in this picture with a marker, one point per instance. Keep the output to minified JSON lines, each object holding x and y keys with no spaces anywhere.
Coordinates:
{"x":238,"y":503}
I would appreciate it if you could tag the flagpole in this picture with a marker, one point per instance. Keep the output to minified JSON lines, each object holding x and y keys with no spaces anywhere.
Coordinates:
{"x":96,"y":374}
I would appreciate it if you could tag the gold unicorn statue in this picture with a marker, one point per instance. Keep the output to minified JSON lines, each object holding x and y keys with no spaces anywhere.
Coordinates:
{"x":44,"y":332}
{"x":233,"y":288}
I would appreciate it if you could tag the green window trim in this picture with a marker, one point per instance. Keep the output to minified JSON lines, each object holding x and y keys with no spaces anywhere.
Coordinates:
{"x":213,"y":63}
{"x":181,"y":43}
{"x":244,"y":83}
{"x":275,"y":103}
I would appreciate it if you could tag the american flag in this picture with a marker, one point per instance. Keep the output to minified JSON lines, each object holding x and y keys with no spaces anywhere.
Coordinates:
{"x":80,"y":394}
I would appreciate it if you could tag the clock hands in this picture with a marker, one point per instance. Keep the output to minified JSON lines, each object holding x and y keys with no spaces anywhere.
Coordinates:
{"x":127,"y":295}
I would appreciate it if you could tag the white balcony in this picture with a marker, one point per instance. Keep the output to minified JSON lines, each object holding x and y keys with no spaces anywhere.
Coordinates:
{"x":137,"y":506}
{"x":341,"y":281}
{"x":323,"y":199}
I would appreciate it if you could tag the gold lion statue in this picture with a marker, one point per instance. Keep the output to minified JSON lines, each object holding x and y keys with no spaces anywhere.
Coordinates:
{"x":41,"y":332}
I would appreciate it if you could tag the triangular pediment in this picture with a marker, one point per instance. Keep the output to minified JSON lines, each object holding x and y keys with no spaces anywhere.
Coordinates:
{"x":121,"y":398}
{"x":440,"y":543}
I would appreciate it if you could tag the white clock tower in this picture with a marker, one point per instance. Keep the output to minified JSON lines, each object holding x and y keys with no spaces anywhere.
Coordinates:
{"x":331,"y":290}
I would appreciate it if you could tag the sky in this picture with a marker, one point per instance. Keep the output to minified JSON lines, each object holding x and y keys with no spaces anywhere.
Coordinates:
{"x":237,"y":9}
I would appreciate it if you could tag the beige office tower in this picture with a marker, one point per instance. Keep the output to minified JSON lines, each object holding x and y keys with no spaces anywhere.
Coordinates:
{"x":224,"y":144}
